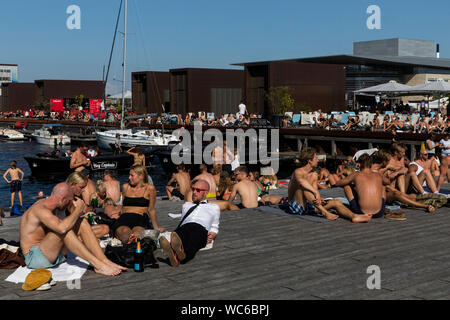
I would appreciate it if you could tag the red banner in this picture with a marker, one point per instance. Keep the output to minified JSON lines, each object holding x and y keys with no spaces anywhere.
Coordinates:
{"x":95,"y":106}
{"x":56,"y":105}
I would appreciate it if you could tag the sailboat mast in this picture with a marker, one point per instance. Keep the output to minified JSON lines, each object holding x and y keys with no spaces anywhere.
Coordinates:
{"x":124,"y":65}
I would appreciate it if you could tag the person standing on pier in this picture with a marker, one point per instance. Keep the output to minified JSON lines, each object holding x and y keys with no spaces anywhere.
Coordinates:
{"x":16,"y":182}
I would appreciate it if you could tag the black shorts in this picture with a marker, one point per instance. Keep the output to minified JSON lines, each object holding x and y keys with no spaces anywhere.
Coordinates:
{"x":16,"y":186}
{"x":132,"y":220}
{"x":177,"y":193}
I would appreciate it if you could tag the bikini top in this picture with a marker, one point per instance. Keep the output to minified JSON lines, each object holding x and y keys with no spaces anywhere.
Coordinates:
{"x":136,"y":202}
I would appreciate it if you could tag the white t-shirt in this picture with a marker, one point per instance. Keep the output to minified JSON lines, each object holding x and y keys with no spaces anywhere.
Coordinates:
{"x":446,"y":144}
{"x":242,"y":108}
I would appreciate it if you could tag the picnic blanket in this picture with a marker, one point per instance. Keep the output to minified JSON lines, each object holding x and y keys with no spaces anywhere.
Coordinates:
{"x":73,"y":269}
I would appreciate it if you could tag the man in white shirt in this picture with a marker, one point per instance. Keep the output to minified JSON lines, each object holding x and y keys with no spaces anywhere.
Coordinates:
{"x":199,"y":226}
{"x":242,"y":108}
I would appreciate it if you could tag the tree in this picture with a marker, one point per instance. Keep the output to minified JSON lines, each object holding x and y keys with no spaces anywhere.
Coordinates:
{"x":280,"y":99}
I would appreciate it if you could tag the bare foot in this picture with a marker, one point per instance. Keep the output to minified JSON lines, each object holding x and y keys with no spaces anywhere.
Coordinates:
{"x":361,"y":218}
{"x":431,"y":209}
{"x":114,"y":265}
{"x":331,"y":216}
{"x":108,"y":270}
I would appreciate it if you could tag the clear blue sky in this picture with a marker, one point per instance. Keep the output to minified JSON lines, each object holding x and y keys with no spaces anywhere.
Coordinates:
{"x":200,"y":33}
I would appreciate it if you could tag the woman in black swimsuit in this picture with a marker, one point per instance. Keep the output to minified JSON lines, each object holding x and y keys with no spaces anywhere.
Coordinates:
{"x":138,"y":206}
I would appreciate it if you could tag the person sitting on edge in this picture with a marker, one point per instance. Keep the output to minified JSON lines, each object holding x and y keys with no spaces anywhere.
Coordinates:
{"x":183,"y":179}
{"x":198,"y":227}
{"x":44,"y":238}
{"x":208,"y":177}
{"x":418,"y":172}
{"x":138,"y":208}
{"x":368,"y":195}
{"x":304,"y":196}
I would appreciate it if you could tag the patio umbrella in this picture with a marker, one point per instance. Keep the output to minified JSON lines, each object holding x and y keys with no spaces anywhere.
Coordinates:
{"x":389,"y":87}
{"x":438,"y":88}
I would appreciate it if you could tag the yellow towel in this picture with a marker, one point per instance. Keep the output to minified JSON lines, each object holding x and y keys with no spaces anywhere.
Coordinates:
{"x":210,"y":195}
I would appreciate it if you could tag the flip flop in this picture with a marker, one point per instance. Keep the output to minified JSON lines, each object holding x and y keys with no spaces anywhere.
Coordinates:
{"x":165,"y":245}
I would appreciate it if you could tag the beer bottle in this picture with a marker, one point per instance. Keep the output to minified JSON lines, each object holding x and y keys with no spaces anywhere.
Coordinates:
{"x":94,"y":202}
{"x":138,"y":258}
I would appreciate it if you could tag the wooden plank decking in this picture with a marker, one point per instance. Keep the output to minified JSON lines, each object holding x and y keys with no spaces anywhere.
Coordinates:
{"x":266,"y":256}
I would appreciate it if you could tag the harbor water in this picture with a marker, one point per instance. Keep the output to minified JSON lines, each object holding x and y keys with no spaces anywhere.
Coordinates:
{"x":32,"y":185}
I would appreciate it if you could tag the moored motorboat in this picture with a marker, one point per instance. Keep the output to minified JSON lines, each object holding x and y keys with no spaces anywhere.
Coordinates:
{"x":11,"y":135}
{"x":134,"y":137}
{"x":51,"y":134}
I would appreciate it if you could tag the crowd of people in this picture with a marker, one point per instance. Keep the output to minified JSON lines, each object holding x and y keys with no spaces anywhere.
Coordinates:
{"x":82,"y":115}
{"x":404,"y":119}
{"x":370,"y":182}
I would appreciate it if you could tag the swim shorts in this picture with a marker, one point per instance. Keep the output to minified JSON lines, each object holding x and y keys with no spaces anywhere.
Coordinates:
{"x":35,"y":259}
{"x":177,"y":193}
{"x":16,"y":186}
{"x":354,"y":206}
{"x":293,"y":207}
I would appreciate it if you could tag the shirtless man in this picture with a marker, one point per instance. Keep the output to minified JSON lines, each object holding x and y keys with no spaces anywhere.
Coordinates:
{"x":79,"y":162}
{"x":45,"y":238}
{"x":420,"y":171}
{"x":380,"y":162}
{"x":183,"y":179}
{"x":245,"y":188}
{"x":397,"y":167}
{"x":368,"y":196}
{"x":208,"y":177}
{"x":87,"y":192}
{"x":112,"y":187}
{"x":16,"y":181}
{"x":304,"y":197}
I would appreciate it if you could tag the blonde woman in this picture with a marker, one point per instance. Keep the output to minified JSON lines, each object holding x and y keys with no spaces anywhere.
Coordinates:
{"x":138,"y":206}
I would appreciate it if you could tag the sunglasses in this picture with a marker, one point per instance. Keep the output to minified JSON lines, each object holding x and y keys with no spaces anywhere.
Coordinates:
{"x":198,"y":190}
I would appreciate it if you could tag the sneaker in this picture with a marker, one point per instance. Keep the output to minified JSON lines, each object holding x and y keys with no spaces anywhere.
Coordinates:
{"x":400,"y":216}
{"x":44,"y":287}
{"x":167,"y":249}
{"x":177,"y":246}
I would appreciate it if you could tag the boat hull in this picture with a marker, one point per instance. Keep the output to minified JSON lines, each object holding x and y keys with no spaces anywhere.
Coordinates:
{"x":105,"y":139}
{"x":48,"y":166}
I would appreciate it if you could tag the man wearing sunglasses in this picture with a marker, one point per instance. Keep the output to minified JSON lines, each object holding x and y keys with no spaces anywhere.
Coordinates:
{"x":199,"y":226}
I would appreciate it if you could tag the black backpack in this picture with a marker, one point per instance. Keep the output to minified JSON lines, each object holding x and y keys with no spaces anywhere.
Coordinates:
{"x":124,"y":255}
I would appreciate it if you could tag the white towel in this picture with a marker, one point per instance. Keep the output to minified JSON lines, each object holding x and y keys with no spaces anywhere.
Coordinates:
{"x":72,"y":269}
